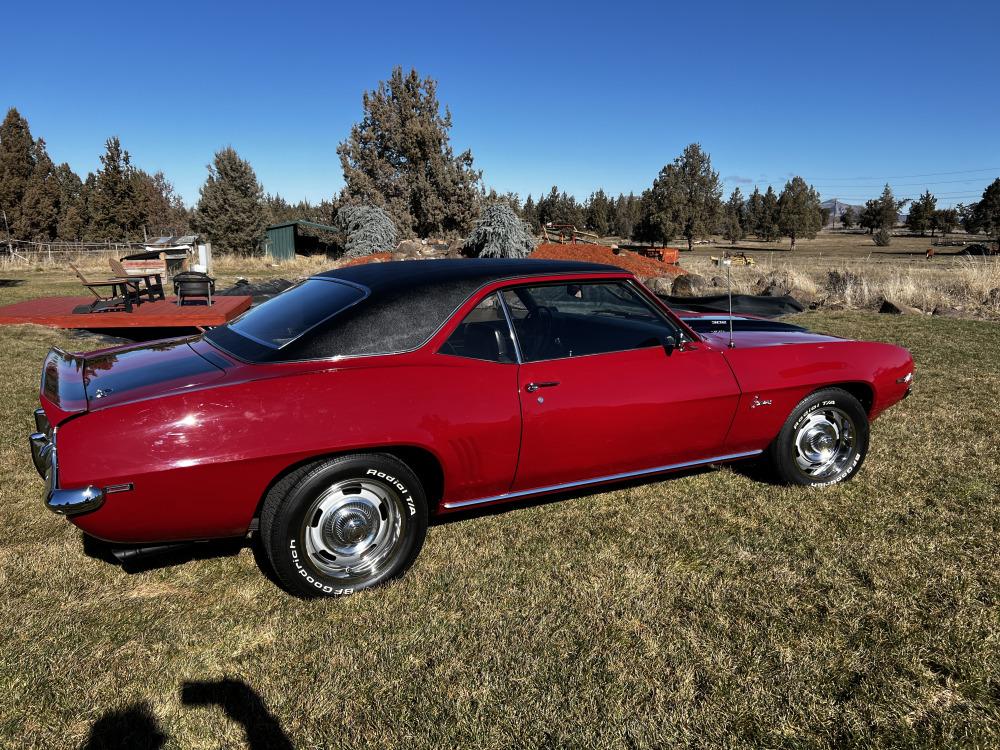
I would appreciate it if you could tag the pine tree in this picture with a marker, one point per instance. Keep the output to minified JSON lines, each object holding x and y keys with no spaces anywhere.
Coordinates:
{"x":770,"y":229}
{"x":16,"y":165}
{"x":231,"y":211}
{"x":921,"y":213}
{"x":735,"y":221}
{"x":685,"y":199}
{"x":39,"y":214}
{"x":799,"y":210}
{"x":400,"y":157}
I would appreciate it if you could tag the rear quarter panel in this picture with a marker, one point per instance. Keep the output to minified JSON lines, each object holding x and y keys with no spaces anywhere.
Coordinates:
{"x":783,"y":375}
{"x":201,"y":461}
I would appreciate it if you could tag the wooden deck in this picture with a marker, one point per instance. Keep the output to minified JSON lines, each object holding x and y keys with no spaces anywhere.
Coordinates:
{"x":58,"y":312}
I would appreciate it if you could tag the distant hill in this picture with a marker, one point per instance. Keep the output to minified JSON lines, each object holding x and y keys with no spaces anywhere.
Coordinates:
{"x":837,"y":207}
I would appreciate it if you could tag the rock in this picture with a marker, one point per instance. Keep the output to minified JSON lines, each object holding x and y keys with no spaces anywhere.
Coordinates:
{"x":410,"y":248}
{"x":660,"y":285}
{"x":688,"y":285}
{"x":948,"y":312}
{"x":895,"y":308}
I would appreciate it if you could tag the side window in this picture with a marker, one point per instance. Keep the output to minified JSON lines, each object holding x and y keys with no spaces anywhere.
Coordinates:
{"x":483,"y":334}
{"x":572,"y":320}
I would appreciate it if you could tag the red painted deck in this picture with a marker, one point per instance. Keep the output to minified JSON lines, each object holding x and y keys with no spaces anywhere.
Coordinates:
{"x":58,"y":312}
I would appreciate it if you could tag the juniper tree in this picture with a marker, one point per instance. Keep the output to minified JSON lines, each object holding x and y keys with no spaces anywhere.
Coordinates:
{"x":163,"y":209}
{"x":500,"y":233}
{"x":72,"y":208}
{"x":39,"y":215}
{"x":368,"y":229}
{"x":599,"y":210}
{"x":115,"y":202}
{"x":400,"y":157}
{"x":985,"y":215}
{"x":921,"y":215}
{"x":685,"y":199}
{"x":770,"y":229}
{"x":626,"y":215}
{"x":848,"y":219}
{"x":230,"y":211}
{"x":799,"y":210}
{"x":944,"y":220}
{"x":16,"y":165}
{"x":734,"y":221}
{"x":529,"y":213}
{"x":754,"y":212}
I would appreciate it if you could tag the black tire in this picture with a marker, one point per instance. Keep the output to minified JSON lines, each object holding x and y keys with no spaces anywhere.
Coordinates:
{"x":824,"y":440}
{"x":344,"y":524}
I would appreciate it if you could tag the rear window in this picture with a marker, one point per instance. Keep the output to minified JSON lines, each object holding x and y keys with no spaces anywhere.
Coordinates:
{"x":284,"y":318}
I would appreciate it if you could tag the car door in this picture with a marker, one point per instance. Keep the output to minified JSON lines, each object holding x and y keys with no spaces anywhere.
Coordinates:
{"x":600,"y":393}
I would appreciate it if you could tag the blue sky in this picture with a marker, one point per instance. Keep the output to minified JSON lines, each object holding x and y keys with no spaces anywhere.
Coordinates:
{"x":849,"y":95}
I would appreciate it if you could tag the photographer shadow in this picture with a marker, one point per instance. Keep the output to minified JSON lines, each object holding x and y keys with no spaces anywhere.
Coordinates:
{"x":137,"y":727}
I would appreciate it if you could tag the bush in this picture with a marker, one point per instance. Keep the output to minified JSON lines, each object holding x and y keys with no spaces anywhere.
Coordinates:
{"x":500,"y":233}
{"x":882,"y":237}
{"x":368,"y":229}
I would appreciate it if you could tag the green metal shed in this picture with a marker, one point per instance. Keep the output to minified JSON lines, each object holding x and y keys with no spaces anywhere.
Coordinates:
{"x":283,"y":239}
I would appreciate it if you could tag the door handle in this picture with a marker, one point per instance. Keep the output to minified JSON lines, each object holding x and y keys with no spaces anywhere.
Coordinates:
{"x":532,"y":387}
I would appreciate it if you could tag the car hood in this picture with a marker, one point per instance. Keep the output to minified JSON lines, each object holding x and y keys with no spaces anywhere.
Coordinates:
{"x":115,"y":376}
{"x":756,"y":339}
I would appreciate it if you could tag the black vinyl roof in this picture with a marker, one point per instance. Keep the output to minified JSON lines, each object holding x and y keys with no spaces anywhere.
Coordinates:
{"x":414,"y":274}
{"x":405,"y":303}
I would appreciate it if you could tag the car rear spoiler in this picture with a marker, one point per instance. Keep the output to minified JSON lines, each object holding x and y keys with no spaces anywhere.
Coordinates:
{"x":62,"y":386}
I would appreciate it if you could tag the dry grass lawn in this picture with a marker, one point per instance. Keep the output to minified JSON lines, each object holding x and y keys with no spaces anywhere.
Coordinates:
{"x":708,"y":610}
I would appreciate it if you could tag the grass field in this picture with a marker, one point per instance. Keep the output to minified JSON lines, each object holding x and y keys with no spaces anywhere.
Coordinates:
{"x":706,"y":610}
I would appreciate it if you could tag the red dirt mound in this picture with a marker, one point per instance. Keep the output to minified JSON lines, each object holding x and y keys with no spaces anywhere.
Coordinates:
{"x":373,"y":258}
{"x":637,"y":264}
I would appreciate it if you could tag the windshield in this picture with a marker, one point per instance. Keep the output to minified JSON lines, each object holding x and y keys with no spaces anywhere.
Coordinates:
{"x":284,"y":318}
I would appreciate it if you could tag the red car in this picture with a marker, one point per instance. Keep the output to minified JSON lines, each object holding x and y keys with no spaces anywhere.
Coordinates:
{"x":335,"y":418}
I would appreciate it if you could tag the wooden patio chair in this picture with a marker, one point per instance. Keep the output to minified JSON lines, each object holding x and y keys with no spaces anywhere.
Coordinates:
{"x":106,"y":301}
{"x":153,"y":281}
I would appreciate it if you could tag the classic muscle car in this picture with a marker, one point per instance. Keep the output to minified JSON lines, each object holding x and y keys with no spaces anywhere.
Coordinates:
{"x":333,"y":419}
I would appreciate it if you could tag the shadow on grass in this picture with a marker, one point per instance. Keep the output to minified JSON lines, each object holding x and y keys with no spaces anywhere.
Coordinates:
{"x":10,"y":282}
{"x":136,"y":726}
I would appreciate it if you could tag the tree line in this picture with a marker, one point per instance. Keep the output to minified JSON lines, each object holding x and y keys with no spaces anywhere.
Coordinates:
{"x":398,"y":158}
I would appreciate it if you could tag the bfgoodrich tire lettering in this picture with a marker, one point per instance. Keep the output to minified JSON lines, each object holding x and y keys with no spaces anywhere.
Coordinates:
{"x":824,"y":440}
{"x":344,"y":524}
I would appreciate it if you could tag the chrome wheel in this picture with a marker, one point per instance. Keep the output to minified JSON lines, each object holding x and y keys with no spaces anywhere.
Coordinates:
{"x":353,"y":528}
{"x":824,"y":443}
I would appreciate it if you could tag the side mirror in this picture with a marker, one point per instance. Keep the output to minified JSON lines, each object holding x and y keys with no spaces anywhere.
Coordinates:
{"x":669,"y":344}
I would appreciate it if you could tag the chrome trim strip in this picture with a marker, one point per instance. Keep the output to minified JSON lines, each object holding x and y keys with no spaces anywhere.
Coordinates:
{"x":126,"y":487}
{"x":600,"y":480}
{"x":510,"y":327}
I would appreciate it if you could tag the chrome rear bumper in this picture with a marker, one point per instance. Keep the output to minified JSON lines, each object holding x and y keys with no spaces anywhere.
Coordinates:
{"x":66,"y":502}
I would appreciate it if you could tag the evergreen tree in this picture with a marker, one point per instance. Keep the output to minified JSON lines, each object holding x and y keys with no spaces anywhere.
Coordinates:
{"x":985,"y":215}
{"x":735,"y":221}
{"x":115,"y":205}
{"x":848,"y":219}
{"x":685,"y":199}
{"x":163,"y":211}
{"x":599,"y":210}
{"x":755,"y":212}
{"x":16,"y":165}
{"x":626,"y":216}
{"x":500,"y":233}
{"x":72,"y":222}
{"x":39,"y":214}
{"x":529,"y":213}
{"x":400,"y":157}
{"x":921,"y":213}
{"x":799,"y":210}
{"x":560,"y":208}
{"x":770,"y":229}
{"x":230,"y":211}
{"x":944,"y":220}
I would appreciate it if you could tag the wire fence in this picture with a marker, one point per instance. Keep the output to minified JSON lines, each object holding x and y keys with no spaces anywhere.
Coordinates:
{"x":31,"y":253}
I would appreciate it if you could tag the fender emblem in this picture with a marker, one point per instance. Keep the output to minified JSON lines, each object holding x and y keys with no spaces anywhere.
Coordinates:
{"x":102,"y":392}
{"x":757,"y":402}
